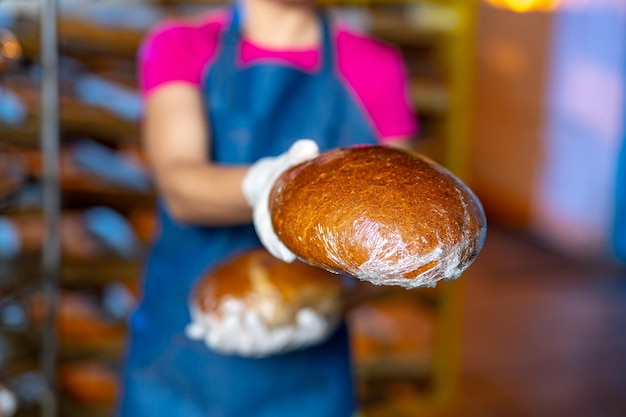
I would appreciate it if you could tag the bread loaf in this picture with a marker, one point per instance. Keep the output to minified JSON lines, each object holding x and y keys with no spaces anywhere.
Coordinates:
{"x":383,"y":215}
{"x":256,"y":305}
{"x":276,"y":290}
{"x":8,"y":186}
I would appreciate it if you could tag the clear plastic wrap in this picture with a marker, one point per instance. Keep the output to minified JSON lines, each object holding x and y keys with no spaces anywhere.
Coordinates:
{"x":383,"y":215}
{"x":256,"y":306}
{"x":239,"y":330}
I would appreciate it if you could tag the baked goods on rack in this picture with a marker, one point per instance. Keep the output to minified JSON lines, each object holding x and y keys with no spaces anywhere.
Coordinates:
{"x":12,"y":170}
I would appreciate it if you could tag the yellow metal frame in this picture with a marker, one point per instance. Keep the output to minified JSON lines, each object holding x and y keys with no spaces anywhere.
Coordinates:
{"x":459,"y":53}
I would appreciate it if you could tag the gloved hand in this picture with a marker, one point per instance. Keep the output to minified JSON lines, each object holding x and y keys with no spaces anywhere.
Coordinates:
{"x":243,"y":332}
{"x":258,"y":183}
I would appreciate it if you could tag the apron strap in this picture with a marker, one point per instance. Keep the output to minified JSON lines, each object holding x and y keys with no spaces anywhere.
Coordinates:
{"x":327,"y":54}
{"x":231,"y":45}
{"x":232,"y":38}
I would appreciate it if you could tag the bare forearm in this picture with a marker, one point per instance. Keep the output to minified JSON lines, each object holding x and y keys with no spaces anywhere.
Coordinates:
{"x":211,"y":194}
{"x":176,"y":141}
{"x":204,"y":194}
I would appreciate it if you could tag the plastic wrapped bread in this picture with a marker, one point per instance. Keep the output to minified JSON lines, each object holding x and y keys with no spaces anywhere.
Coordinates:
{"x":384,"y":215}
{"x":255,"y":305}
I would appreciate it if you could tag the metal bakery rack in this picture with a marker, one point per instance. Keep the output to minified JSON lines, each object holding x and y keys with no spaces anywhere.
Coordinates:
{"x":68,"y":92}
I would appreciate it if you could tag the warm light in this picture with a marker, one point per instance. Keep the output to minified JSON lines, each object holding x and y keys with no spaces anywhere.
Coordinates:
{"x":527,"y":5}
{"x":11,"y":50}
{"x":9,"y":46}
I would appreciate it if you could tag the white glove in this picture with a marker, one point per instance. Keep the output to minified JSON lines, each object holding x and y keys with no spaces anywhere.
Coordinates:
{"x":257,"y":185}
{"x":241,"y":331}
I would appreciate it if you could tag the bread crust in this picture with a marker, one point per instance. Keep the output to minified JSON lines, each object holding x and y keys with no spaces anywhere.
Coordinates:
{"x":275,"y":289}
{"x":381,"y":214}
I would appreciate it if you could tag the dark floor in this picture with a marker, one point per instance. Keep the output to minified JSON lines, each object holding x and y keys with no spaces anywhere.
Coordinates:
{"x":543,"y":335}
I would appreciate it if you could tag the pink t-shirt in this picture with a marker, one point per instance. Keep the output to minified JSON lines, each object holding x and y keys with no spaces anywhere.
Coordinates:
{"x":372,"y":72}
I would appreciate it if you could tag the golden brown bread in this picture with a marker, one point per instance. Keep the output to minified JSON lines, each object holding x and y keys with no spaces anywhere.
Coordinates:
{"x":76,"y":242}
{"x":275,"y":289}
{"x":381,"y":214}
{"x":8,"y":186}
{"x":88,"y":382}
{"x":12,"y":170}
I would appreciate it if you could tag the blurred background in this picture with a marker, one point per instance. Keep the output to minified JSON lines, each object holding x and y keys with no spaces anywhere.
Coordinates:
{"x":522,"y":99}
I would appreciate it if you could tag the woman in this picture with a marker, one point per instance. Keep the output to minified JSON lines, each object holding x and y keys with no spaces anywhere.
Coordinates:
{"x":221,"y":95}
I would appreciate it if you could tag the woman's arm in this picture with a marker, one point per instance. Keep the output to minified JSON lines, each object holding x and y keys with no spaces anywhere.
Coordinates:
{"x":177,"y":142}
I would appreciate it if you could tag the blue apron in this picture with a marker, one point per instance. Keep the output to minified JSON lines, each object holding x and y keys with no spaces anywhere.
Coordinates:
{"x":254,"y":111}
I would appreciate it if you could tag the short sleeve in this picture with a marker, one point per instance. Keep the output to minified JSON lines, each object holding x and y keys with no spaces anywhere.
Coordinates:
{"x":173,"y":52}
{"x":392,"y":110}
{"x":377,"y":76}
